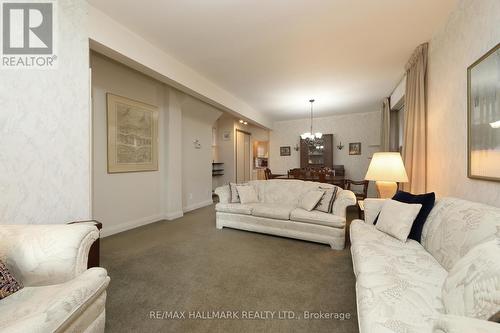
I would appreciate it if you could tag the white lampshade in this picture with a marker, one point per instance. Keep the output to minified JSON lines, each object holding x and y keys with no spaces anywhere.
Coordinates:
{"x":305,"y":135}
{"x":318,"y":135}
{"x":387,"y":167}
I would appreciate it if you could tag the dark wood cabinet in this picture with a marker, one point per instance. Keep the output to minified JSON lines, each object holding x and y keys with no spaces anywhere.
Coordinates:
{"x":310,"y":157}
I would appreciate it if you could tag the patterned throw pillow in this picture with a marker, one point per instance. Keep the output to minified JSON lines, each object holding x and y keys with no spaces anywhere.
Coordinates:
{"x":325,"y":204}
{"x":235,"y":197}
{"x":8,"y":284}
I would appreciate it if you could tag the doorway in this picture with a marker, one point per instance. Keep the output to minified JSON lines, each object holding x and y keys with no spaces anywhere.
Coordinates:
{"x":242,"y":156}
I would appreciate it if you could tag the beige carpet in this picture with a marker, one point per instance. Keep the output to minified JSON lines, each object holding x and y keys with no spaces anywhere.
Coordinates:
{"x":189,"y":266}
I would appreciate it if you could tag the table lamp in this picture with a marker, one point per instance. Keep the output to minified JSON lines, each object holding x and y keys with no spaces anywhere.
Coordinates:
{"x":386,"y":169}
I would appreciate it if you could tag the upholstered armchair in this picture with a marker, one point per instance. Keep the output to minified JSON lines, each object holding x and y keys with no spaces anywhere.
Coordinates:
{"x":60,"y":293}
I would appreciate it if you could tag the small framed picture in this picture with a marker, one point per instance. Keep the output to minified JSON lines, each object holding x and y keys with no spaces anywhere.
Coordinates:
{"x":355,"y":148}
{"x":285,"y":151}
{"x":226,"y":135}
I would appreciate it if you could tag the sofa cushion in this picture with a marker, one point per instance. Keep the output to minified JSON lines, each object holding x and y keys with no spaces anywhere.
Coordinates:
{"x":247,"y":194}
{"x":398,"y":285}
{"x":235,"y":208}
{"x":284,"y":192}
{"x":281,"y":212}
{"x":455,"y":226}
{"x":426,"y":200}
{"x":472,"y":287}
{"x":311,"y":198}
{"x":396,"y":218}
{"x":326,"y":203}
{"x":317,"y":217}
{"x":46,"y":308}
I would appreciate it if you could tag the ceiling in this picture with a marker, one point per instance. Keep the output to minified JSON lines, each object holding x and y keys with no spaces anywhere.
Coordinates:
{"x":275,"y":55}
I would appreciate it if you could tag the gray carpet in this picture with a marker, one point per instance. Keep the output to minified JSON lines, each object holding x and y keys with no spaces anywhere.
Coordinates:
{"x":189,"y":266}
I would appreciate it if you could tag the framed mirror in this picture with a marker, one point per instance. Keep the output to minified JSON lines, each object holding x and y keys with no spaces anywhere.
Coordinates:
{"x":483,"y":123}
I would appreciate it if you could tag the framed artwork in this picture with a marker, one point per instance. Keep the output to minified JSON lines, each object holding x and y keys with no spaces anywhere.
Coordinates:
{"x":226,"y":135}
{"x":483,"y":117}
{"x":132,"y":135}
{"x":355,"y":148}
{"x":285,"y":151}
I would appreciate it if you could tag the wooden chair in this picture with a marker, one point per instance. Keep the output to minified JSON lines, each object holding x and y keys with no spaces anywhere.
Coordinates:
{"x":295,"y":173}
{"x":359,"y":195}
{"x":267,"y":173}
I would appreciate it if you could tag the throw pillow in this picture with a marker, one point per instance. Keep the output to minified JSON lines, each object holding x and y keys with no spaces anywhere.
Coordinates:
{"x":234,"y":192}
{"x":426,"y":200}
{"x":311,"y":198}
{"x":325,"y":204}
{"x":247,"y":194}
{"x":396,"y":218}
{"x":8,"y":284}
{"x":472,"y":283}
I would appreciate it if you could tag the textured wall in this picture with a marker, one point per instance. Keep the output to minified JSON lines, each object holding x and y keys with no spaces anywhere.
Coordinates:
{"x":357,"y":127}
{"x":130,"y":198}
{"x":472,"y":29}
{"x":44,"y":130}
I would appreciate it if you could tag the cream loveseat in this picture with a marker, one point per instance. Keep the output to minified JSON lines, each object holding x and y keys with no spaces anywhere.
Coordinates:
{"x":277,"y":212}
{"x":60,"y":294}
{"x":449,"y":283}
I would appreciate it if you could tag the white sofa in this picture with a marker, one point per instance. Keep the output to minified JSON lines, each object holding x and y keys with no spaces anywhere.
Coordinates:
{"x":60,"y":294}
{"x":277,"y":212}
{"x":448,"y":283}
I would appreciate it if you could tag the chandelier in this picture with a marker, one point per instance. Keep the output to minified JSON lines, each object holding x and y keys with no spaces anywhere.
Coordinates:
{"x":313,"y":140}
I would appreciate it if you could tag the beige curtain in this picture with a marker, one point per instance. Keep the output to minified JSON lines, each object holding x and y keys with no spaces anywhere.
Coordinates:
{"x":415,"y":132}
{"x":385,"y":131}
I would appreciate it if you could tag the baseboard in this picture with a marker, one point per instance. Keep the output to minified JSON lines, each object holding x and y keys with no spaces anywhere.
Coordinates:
{"x":197,"y":205}
{"x":129,"y":225}
{"x":173,"y":215}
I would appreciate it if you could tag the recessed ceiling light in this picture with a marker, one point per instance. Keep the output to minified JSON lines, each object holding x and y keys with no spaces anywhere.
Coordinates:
{"x":241,"y":121}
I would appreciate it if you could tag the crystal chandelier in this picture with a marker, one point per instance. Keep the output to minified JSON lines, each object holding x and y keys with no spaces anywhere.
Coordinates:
{"x":313,"y":140}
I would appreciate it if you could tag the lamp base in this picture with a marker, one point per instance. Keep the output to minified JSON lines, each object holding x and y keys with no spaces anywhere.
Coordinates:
{"x":386,"y":190}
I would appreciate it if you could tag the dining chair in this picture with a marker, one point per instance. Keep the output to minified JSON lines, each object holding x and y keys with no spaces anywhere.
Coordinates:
{"x":360,"y":195}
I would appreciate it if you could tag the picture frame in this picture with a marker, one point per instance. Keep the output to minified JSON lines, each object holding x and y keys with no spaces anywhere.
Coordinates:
{"x":355,"y":148}
{"x":132,"y":135}
{"x":226,"y":135}
{"x":285,"y":151}
{"x":483,"y":117}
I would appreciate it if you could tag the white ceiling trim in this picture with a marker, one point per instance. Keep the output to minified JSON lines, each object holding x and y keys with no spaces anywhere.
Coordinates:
{"x":115,"y":40}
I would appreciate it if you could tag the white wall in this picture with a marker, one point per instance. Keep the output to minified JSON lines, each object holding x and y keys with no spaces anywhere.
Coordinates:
{"x":472,"y":29}
{"x":197,"y":121}
{"x":226,"y":149}
{"x":123,"y":198}
{"x":183,"y":180}
{"x":115,"y":40}
{"x":357,"y":127}
{"x":44,"y":130}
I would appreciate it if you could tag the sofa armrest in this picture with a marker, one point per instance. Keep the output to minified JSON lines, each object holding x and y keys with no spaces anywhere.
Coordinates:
{"x":372,"y":207}
{"x":224,"y":193}
{"x":46,"y":254}
{"x":344,"y":199}
{"x":461,"y":324}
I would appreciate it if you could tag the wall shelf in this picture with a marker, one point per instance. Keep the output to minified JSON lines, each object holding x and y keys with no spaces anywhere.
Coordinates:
{"x":217,"y":169}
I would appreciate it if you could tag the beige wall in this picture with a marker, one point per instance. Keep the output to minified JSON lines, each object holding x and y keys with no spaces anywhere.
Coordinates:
{"x":45,"y":131}
{"x":357,"y":127}
{"x":472,"y":29}
{"x":226,"y":151}
{"x":183,"y":182}
{"x":198,"y":119}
